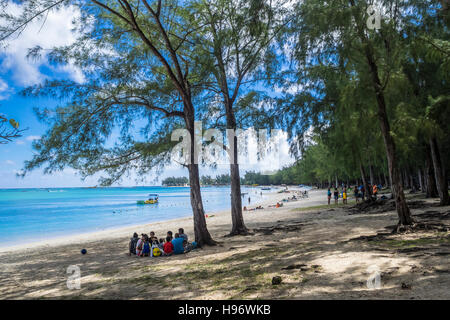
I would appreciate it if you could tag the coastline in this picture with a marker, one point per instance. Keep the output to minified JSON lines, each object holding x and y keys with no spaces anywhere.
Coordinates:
{"x":85,"y":238}
{"x":304,"y":242}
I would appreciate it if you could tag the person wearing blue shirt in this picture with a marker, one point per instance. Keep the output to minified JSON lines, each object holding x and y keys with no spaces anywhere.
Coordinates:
{"x":178,"y":247}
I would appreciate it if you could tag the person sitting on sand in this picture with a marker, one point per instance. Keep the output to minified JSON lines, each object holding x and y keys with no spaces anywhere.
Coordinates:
{"x":153,"y":238}
{"x":140,"y":245}
{"x":178,"y":247}
{"x":169,"y":234}
{"x":132,"y":244}
{"x":146,"y":248}
{"x":245,"y":208}
{"x":168,"y":247}
{"x":161,"y":243}
{"x":182,"y":234}
{"x":187,"y":246}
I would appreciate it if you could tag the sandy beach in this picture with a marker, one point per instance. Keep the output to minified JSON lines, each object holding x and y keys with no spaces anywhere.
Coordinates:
{"x":319,"y":253}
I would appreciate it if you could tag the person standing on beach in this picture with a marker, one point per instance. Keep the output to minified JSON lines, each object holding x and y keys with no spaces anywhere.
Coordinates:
{"x":356,"y":193}
{"x":336,"y":196}
{"x":248,"y":200}
{"x":375,"y":191}
{"x":344,"y":195}
{"x":329,"y":196}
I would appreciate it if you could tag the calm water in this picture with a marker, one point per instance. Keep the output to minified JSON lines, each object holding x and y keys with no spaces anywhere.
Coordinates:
{"x":39,"y":214}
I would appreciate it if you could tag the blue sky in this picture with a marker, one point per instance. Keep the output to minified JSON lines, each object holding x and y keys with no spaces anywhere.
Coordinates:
{"x":18,"y":72}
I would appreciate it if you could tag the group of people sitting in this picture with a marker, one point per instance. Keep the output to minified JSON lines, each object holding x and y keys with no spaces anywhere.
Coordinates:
{"x":151,"y":246}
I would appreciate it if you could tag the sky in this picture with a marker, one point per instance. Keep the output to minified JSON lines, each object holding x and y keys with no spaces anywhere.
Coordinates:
{"x":18,"y":72}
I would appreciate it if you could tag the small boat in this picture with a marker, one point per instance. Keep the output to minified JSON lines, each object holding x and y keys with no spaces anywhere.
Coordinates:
{"x":266,"y":188}
{"x":152,"y":199}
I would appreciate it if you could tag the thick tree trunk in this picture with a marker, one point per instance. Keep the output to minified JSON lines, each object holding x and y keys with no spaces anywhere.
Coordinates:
{"x":439,"y":172}
{"x":238,"y":225}
{"x":403,"y":212}
{"x":202,"y":236}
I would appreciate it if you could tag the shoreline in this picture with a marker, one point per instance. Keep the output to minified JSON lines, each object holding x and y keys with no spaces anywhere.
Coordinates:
{"x":303,"y":242}
{"x":120,"y":232}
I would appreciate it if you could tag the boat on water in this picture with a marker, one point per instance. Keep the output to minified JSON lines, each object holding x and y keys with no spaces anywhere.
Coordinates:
{"x":265,"y":188}
{"x":152,"y":199}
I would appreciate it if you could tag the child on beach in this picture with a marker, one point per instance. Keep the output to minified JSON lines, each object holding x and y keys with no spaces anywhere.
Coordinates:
{"x":146,"y":247}
{"x":140,"y":245}
{"x":153,"y":238}
{"x":182,"y":234}
{"x":344,"y":195}
{"x":168,"y":247}
{"x":132,"y":244}
{"x":161,"y":243}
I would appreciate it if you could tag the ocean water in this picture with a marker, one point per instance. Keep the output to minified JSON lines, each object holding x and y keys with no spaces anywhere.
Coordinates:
{"x":40,"y":214}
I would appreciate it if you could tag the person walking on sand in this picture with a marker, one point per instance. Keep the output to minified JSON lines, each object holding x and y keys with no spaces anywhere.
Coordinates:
{"x":329,"y":196}
{"x":336,"y":196}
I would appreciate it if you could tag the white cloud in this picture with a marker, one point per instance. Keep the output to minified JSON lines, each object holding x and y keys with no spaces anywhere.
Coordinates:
{"x":5,"y":90}
{"x":56,"y":31}
{"x":20,"y":142}
{"x":31,"y":138}
{"x":10,"y":162}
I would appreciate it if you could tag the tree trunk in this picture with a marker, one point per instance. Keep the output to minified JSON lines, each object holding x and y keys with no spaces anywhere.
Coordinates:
{"x":431,"y":189}
{"x":238,"y":225}
{"x":419,"y":177}
{"x":439,"y":172}
{"x":403,"y":212}
{"x":406,"y":180}
{"x":372,"y":177}
{"x":386,"y":182}
{"x":411,"y":181}
{"x":364,"y":181}
{"x":202,"y":236}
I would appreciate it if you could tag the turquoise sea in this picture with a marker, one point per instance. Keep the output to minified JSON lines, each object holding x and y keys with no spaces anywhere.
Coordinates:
{"x":39,"y":214}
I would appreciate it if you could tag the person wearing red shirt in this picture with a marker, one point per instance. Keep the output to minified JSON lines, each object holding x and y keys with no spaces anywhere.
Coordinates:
{"x":168,"y":247}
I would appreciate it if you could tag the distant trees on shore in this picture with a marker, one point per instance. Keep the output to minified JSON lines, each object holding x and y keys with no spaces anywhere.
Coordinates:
{"x":175,"y":182}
